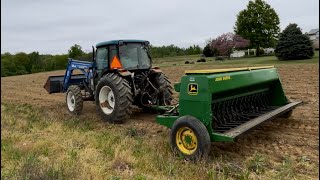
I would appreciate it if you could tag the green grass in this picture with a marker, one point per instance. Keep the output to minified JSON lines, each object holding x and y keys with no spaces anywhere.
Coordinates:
{"x":62,"y":148}
{"x":264,"y":60}
{"x":38,"y":145}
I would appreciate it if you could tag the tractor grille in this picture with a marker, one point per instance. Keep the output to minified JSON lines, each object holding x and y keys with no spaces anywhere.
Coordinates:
{"x":228,"y":114}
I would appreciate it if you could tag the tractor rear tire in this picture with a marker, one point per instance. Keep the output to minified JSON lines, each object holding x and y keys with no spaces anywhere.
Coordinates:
{"x":190,"y":138}
{"x":74,"y":100}
{"x":165,"y":96}
{"x":113,"y":98}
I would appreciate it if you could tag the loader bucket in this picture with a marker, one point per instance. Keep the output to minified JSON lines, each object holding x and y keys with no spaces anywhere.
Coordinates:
{"x":230,"y":102}
{"x":54,"y":84}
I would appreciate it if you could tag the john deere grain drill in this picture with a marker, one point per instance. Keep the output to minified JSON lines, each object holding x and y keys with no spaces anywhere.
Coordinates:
{"x":221,"y":104}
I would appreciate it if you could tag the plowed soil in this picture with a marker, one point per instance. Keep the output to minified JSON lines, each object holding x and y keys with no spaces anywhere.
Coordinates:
{"x":295,"y":137}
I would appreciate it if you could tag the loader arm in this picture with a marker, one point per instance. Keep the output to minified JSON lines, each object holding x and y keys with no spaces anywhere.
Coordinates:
{"x":60,"y":84}
{"x":82,"y":66}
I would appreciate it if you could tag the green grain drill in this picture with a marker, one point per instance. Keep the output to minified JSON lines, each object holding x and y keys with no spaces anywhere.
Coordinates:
{"x":221,"y":104}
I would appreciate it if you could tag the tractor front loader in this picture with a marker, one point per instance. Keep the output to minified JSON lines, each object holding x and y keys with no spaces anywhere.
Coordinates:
{"x":120,"y":76}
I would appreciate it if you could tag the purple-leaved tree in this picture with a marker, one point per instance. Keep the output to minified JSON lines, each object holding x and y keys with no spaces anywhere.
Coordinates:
{"x":227,"y":42}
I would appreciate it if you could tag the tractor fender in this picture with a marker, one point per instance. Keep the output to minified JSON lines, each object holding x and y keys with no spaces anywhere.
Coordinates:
{"x":156,"y":69}
{"x":121,"y":72}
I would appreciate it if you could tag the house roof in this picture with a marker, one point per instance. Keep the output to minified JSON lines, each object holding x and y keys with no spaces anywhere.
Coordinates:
{"x":313,"y":31}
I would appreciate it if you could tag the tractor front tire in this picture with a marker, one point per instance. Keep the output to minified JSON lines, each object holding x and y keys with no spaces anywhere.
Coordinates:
{"x":190,"y":138}
{"x":74,"y":100}
{"x":113,"y":98}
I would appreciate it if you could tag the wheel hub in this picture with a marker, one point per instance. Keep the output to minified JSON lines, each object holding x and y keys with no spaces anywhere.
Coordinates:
{"x":186,"y":140}
{"x":71,"y":101}
{"x":107,"y":100}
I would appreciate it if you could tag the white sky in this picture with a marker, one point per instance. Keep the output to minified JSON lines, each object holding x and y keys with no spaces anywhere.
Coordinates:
{"x":53,"y":27}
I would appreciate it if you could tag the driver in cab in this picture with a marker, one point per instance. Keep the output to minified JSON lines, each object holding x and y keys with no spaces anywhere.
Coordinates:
{"x":127,"y":60}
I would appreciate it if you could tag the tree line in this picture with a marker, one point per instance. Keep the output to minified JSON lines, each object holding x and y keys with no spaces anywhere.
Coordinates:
{"x":24,"y":63}
{"x":172,"y":50}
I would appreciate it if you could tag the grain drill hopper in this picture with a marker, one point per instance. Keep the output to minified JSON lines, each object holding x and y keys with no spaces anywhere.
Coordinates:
{"x":221,"y":104}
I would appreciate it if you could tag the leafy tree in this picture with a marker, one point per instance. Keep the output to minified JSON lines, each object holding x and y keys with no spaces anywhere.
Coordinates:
{"x":8,"y":67}
{"x":259,"y":23}
{"x":22,"y":63}
{"x":293,"y":44}
{"x":36,"y":62}
{"x":207,"y":51}
{"x":172,"y":50}
{"x":34,"y":57}
{"x":75,"y":51}
{"x":227,"y":42}
{"x":6,"y":64}
{"x":47,"y":62}
{"x":195,"y":49}
{"x":6,"y":55}
{"x":85,"y":57}
{"x":60,"y":61}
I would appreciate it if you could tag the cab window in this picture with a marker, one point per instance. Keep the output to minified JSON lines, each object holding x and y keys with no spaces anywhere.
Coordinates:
{"x":102,"y":58}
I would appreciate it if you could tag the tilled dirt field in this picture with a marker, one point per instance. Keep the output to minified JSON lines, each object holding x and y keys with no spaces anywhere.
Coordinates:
{"x":296,"y":137}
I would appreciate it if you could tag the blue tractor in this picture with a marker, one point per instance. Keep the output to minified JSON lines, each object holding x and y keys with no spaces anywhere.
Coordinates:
{"x":119,"y":76}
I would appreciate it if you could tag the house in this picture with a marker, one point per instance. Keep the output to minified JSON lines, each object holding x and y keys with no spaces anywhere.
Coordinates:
{"x":314,"y":34}
{"x":314,"y":37}
{"x":237,"y":54}
{"x":249,"y":52}
{"x":268,"y":50}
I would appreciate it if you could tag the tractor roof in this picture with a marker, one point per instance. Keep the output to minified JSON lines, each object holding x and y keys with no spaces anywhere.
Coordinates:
{"x":117,"y":42}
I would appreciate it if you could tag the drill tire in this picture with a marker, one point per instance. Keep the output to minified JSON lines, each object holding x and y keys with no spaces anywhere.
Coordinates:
{"x":200,"y":144}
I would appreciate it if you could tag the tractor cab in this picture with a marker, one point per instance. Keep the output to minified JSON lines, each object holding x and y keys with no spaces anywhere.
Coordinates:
{"x":129,"y":55}
{"x":130,"y":59}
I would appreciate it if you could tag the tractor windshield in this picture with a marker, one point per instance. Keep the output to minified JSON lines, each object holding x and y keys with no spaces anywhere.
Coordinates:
{"x":134,"y":56}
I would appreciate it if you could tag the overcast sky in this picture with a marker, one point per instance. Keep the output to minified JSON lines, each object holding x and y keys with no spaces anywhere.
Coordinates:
{"x":52,"y":27}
